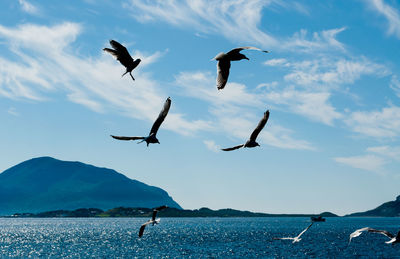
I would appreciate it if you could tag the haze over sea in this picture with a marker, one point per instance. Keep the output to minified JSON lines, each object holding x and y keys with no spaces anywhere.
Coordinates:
{"x":193,"y":237}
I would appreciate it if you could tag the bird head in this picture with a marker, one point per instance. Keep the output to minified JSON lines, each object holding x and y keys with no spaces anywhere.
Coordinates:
{"x":257,"y":145}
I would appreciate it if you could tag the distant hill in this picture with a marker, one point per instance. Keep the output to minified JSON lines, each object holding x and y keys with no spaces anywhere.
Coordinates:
{"x":387,"y":209}
{"x":169,"y":212}
{"x":47,"y":184}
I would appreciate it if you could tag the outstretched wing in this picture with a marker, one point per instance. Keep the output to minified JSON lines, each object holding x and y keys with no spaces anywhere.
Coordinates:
{"x":283,"y":238}
{"x":126,"y":138}
{"x":153,"y":217}
{"x":232,"y":148}
{"x":155,"y":210}
{"x":141,"y":230}
{"x":223,"y":67}
{"x":161,"y":117}
{"x":357,"y":233}
{"x":260,"y":126}
{"x":383,"y":232}
{"x":120,"y":53}
{"x":112,"y":52}
{"x":237,"y":50}
{"x":161,"y":207}
{"x":302,"y":232}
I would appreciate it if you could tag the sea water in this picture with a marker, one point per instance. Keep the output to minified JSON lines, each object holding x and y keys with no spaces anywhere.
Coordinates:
{"x":193,"y":238}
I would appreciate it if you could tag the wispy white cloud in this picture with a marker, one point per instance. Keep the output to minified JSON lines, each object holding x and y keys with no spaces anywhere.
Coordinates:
{"x":380,"y":124}
{"x":211,"y":145}
{"x":48,"y":64}
{"x":313,"y":105}
{"x":13,"y":111}
{"x":281,"y":137}
{"x":330,"y":71}
{"x":387,"y":151}
{"x":268,"y":86}
{"x":391,"y":14}
{"x":395,"y":85}
{"x":277,"y":62}
{"x":324,"y":40}
{"x":28,"y":7}
{"x":237,"y":110}
{"x":376,"y":159}
{"x":312,"y":83}
{"x":237,"y":20}
{"x":366,"y":162}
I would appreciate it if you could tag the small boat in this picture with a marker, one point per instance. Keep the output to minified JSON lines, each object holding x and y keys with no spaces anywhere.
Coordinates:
{"x":318,"y":219}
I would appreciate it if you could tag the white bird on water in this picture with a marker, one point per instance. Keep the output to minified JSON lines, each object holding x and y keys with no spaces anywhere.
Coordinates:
{"x":297,"y":238}
{"x":393,"y":239}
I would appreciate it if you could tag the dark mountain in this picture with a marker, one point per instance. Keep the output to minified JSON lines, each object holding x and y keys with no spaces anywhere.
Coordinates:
{"x":388,"y":209}
{"x":168,"y":212}
{"x":47,"y":184}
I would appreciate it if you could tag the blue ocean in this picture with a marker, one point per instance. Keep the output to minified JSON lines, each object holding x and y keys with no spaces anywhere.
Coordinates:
{"x":193,"y":238}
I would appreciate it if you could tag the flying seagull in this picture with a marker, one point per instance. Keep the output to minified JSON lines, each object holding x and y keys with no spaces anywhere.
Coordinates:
{"x":224,"y":63}
{"x":153,"y":219}
{"x":295,"y":239}
{"x":252,"y":141}
{"x":123,"y":56}
{"x":151,"y":138}
{"x":393,"y":239}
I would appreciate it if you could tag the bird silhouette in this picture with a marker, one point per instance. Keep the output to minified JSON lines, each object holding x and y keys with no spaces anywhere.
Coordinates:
{"x":393,"y":239}
{"x":224,"y":63}
{"x":252,"y":141}
{"x":297,"y":238}
{"x":123,"y":56}
{"x":153,"y":219}
{"x":156,"y":125}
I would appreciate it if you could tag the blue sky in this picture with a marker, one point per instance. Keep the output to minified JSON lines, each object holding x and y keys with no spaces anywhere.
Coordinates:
{"x":331,"y":82}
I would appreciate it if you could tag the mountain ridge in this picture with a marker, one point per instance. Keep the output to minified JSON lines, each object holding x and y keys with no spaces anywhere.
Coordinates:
{"x":45,"y":184}
{"x":387,"y":209}
{"x":168,"y":212}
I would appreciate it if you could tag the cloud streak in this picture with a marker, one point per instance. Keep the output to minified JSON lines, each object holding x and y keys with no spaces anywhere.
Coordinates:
{"x":391,"y":14}
{"x":237,"y":20}
{"x":234,"y":114}
{"x":379,"y":124}
{"x":47,"y":65}
{"x":367,"y":162}
{"x":211,"y":145}
{"x":28,"y":7}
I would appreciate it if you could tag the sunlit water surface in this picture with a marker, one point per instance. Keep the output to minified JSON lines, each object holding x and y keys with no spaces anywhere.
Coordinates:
{"x":193,"y":237}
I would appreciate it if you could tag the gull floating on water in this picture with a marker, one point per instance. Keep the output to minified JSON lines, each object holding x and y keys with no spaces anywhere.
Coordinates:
{"x":153,"y":132}
{"x":123,"y":56}
{"x":252,"y":141}
{"x":224,"y":63}
{"x":393,"y":239}
{"x":295,"y":239}
{"x":153,"y":219}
